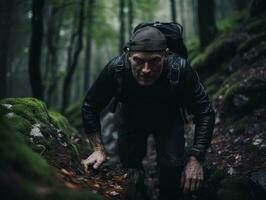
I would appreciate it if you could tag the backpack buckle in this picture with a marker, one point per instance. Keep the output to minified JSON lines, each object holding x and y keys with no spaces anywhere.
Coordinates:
{"x":174,"y":75}
{"x":157,"y":23}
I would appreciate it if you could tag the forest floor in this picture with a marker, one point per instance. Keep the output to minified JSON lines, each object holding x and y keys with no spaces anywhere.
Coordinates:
{"x":235,"y":154}
{"x":110,"y":181}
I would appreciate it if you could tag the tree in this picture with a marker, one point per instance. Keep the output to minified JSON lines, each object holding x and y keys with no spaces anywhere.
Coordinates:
{"x":122,"y":25}
{"x":130,"y":17}
{"x":173,"y":10}
{"x":206,"y":22}
{"x":257,"y":7}
{"x":36,"y":48}
{"x":73,"y":51}
{"x":54,"y":21}
{"x":6,"y":13}
{"x":90,"y":20}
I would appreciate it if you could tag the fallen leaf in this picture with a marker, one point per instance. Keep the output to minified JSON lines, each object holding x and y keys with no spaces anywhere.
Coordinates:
{"x":71,"y":185}
{"x":65,"y":172}
{"x":112,"y":193}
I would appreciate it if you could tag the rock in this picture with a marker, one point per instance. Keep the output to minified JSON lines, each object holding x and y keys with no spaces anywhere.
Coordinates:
{"x":49,"y":140}
{"x":259,"y":179}
{"x":24,"y":174}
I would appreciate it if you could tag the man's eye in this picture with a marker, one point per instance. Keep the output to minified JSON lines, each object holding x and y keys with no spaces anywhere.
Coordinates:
{"x":155,"y":61}
{"x":138,"y":61}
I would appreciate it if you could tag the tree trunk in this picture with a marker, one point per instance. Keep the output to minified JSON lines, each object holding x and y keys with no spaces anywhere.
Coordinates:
{"x":122,"y":25}
{"x":87,"y":63}
{"x":194,"y":11}
{"x":257,"y":8}
{"x":173,"y":10}
{"x":6,"y":13}
{"x":130,"y":17}
{"x":36,"y":48}
{"x":206,"y":21}
{"x":54,"y":23}
{"x":76,"y":47}
{"x":182,"y":17}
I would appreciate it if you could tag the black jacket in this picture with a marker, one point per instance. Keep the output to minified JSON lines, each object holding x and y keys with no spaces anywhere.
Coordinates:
{"x":158,"y":104}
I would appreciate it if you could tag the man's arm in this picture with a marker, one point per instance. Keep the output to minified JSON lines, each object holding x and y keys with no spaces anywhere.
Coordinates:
{"x":98,"y":156}
{"x":198,"y":104}
{"x":95,"y":101}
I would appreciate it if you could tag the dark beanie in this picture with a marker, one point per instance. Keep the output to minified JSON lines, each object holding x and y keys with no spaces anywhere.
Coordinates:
{"x":147,"y":39}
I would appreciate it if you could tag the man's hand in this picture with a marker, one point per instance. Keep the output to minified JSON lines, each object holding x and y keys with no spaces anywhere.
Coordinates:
{"x":98,"y":156}
{"x":192,"y":175}
{"x":95,"y":159}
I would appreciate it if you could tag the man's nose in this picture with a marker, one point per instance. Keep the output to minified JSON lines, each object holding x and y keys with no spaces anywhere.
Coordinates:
{"x":146,"y":69}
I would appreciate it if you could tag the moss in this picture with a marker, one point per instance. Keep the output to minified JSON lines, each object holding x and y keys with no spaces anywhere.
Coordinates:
{"x":16,"y":155}
{"x":228,"y":23}
{"x":256,"y":25}
{"x":60,"y":122}
{"x":207,"y":62}
{"x":214,"y":81}
{"x":26,"y":175}
{"x":193,"y":48}
{"x":30,"y":114}
{"x":228,"y":83}
{"x":222,"y":49}
{"x":251,"y":42}
{"x":193,"y":44}
{"x":30,"y":108}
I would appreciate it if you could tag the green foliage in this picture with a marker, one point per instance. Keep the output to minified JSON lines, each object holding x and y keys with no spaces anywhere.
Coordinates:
{"x":229,"y":23}
{"x":105,"y":22}
{"x":146,"y":10}
{"x":193,"y":47}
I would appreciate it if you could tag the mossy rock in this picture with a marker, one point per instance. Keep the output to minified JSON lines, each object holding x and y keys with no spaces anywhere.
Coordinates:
{"x":223,"y":48}
{"x":48,"y":133}
{"x":24,"y":174}
{"x":246,"y":94}
{"x":255,"y":24}
{"x":62,"y":123}
{"x":218,"y":52}
{"x":214,"y":81}
{"x":251,"y":42}
{"x":228,"y":23}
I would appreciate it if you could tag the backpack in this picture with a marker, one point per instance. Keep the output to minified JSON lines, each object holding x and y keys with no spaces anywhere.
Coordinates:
{"x":173,"y":33}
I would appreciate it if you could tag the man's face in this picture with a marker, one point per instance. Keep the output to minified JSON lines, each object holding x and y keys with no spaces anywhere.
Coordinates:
{"x":146,"y":66}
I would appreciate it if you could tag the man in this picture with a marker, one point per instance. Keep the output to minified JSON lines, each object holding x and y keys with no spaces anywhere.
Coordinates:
{"x":150,"y":104}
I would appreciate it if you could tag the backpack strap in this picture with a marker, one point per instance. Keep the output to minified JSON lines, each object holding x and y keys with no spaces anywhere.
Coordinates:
{"x":121,"y":69}
{"x":177,"y":67}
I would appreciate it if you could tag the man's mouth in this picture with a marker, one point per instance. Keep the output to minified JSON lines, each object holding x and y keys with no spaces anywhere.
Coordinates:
{"x":146,"y":77}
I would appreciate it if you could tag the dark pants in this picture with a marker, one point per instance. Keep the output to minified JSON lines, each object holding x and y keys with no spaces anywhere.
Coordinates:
{"x":169,"y":141}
